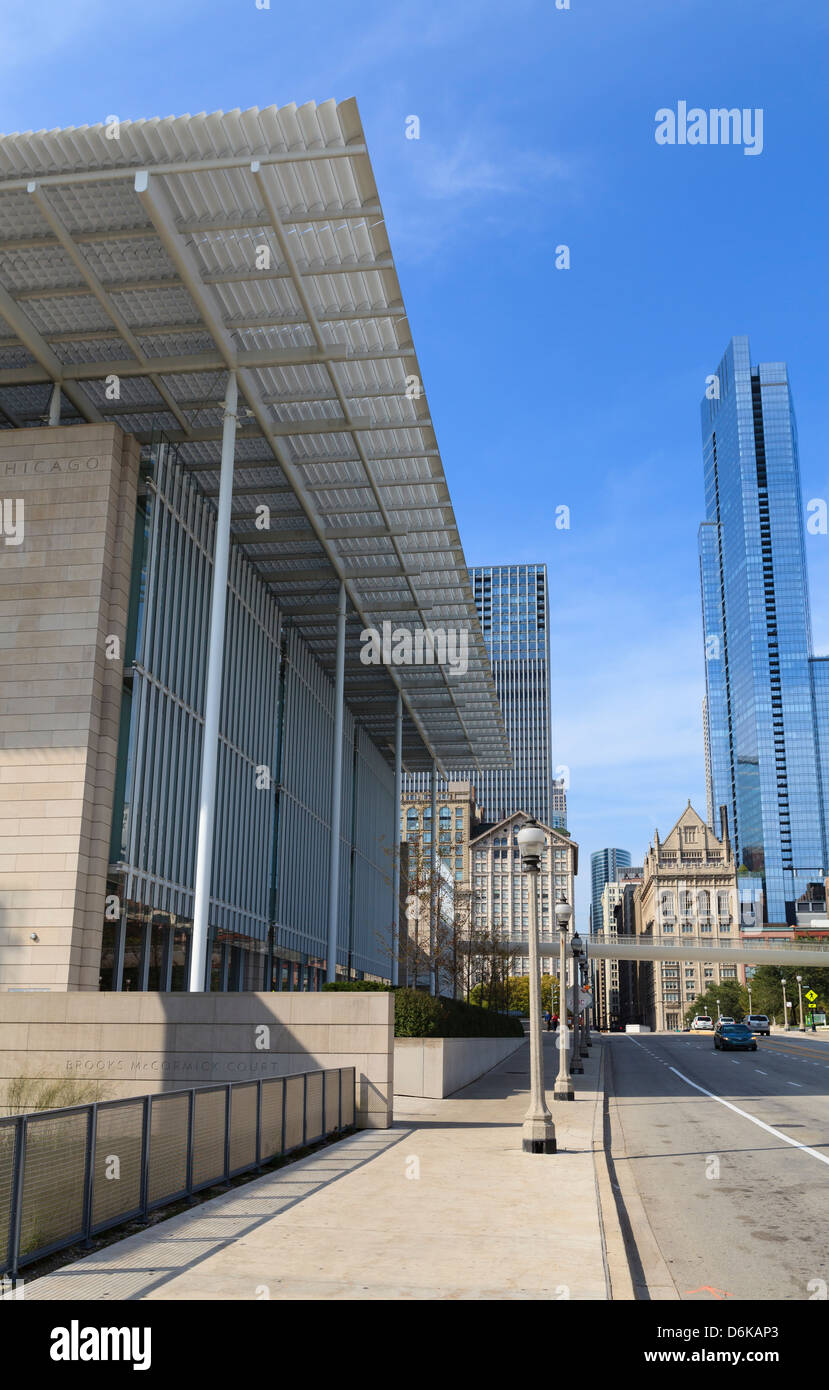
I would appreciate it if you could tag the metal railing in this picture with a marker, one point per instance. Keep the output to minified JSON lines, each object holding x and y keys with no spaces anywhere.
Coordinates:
{"x":68,"y":1174}
{"x":739,"y":943}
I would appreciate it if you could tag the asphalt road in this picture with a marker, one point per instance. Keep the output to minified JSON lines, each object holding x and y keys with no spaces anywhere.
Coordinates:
{"x":736,"y":1211}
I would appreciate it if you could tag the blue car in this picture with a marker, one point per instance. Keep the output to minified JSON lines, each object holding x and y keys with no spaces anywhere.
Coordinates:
{"x":734,"y":1035}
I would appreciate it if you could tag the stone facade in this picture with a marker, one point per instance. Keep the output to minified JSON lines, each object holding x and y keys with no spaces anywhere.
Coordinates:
{"x":121,"y":1044}
{"x":499,"y":887}
{"x":688,"y":892}
{"x":64,"y":593}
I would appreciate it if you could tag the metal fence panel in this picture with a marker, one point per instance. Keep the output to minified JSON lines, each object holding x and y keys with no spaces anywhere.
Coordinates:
{"x":314,"y":1122}
{"x":116,"y":1192}
{"x":209,"y":1137}
{"x":294,"y":1107}
{"x":67,"y":1174}
{"x":7,"y":1144}
{"x":347,"y":1083}
{"x":331,"y":1081}
{"x":272,"y":1099}
{"x":53,"y":1181}
{"x":168,"y":1148}
{"x":243,"y":1127}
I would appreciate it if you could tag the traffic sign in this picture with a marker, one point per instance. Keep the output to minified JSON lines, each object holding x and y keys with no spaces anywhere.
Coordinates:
{"x":810,"y":995}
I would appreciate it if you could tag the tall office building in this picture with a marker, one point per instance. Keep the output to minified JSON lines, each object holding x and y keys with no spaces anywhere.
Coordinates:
{"x":198,"y":768}
{"x":767,"y":698}
{"x":513,"y":607}
{"x":604,"y":864}
{"x":559,"y":819}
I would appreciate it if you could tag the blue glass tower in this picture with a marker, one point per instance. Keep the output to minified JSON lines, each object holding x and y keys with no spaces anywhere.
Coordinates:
{"x":767,"y":698}
{"x":603,"y":866}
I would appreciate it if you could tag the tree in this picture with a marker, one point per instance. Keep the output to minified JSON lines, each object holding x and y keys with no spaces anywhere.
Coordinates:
{"x":517,"y":994}
{"x":731,"y":996}
{"x":767,"y":989}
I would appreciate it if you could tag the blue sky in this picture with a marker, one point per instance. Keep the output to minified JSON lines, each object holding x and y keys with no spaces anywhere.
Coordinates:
{"x":546,"y":387}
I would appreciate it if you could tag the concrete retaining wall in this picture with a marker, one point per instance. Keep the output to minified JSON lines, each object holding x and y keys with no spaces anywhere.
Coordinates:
{"x":437,"y":1067}
{"x":136,"y":1044}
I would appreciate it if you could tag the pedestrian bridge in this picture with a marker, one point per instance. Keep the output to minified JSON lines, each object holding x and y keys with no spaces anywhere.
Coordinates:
{"x":748,"y":950}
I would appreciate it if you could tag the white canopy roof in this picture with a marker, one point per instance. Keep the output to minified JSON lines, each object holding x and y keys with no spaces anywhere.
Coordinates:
{"x":167,"y":252}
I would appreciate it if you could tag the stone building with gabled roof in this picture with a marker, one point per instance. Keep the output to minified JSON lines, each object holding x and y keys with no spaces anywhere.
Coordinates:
{"x":689,"y":891}
{"x":500,"y":889}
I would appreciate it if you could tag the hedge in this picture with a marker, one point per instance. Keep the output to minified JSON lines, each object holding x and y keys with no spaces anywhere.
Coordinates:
{"x":419,"y":1015}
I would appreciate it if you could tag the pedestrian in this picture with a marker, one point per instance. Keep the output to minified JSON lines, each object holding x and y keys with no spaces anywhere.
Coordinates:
{"x":548,"y":1019}
{"x":554,"y":1021}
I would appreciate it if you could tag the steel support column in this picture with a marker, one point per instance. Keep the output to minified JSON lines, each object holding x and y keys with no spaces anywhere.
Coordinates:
{"x":434,"y":897}
{"x":215,"y":668}
{"x":336,"y":795}
{"x":398,"y":796}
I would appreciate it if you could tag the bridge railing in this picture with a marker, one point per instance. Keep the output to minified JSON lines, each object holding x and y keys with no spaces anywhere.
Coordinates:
{"x":716,"y":943}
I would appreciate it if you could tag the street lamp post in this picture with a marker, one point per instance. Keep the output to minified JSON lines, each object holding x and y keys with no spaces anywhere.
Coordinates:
{"x":582,"y":977}
{"x":588,"y":982}
{"x":564,"y":1086}
{"x":785,"y":1006}
{"x":538,"y":1135}
{"x":800,"y":1001}
{"x":748,"y":987}
{"x":575,"y":1064}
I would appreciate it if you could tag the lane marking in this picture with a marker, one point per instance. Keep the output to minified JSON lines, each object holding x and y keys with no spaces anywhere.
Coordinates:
{"x":762,"y":1073}
{"x":795,"y":1143}
{"x":795,"y":1083}
{"x":761,"y":1124}
{"x":790,"y":1049}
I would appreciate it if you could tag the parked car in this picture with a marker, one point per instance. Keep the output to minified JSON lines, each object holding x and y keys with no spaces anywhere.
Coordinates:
{"x":702,"y":1023}
{"x":728,"y":1036}
{"x":759,"y":1023}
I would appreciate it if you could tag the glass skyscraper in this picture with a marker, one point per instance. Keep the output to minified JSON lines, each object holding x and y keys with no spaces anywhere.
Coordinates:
{"x":513,"y":609}
{"x":767,"y":698}
{"x":603,"y":866}
{"x":512,"y":605}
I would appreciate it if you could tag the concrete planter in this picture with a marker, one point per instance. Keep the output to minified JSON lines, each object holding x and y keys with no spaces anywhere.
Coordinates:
{"x":436,"y":1067}
{"x":143,"y":1043}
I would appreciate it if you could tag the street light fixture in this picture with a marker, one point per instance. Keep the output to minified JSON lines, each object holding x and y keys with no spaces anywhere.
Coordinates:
{"x":588,"y":1041}
{"x":538,"y":1135}
{"x":564,"y":1086}
{"x":785,"y":1005}
{"x":577,"y":948}
{"x":799,"y":979}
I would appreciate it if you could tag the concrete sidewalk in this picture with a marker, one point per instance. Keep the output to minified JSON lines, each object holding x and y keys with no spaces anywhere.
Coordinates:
{"x":444,"y":1205}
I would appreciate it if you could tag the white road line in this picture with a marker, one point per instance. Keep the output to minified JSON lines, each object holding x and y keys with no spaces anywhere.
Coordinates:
{"x":762,"y":1073}
{"x":795,"y":1083}
{"x":795,"y":1144}
{"x":760,"y":1123}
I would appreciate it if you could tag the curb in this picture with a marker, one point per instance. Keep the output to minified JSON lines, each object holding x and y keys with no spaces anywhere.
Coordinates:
{"x":614,"y":1250}
{"x":640,"y":1264}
